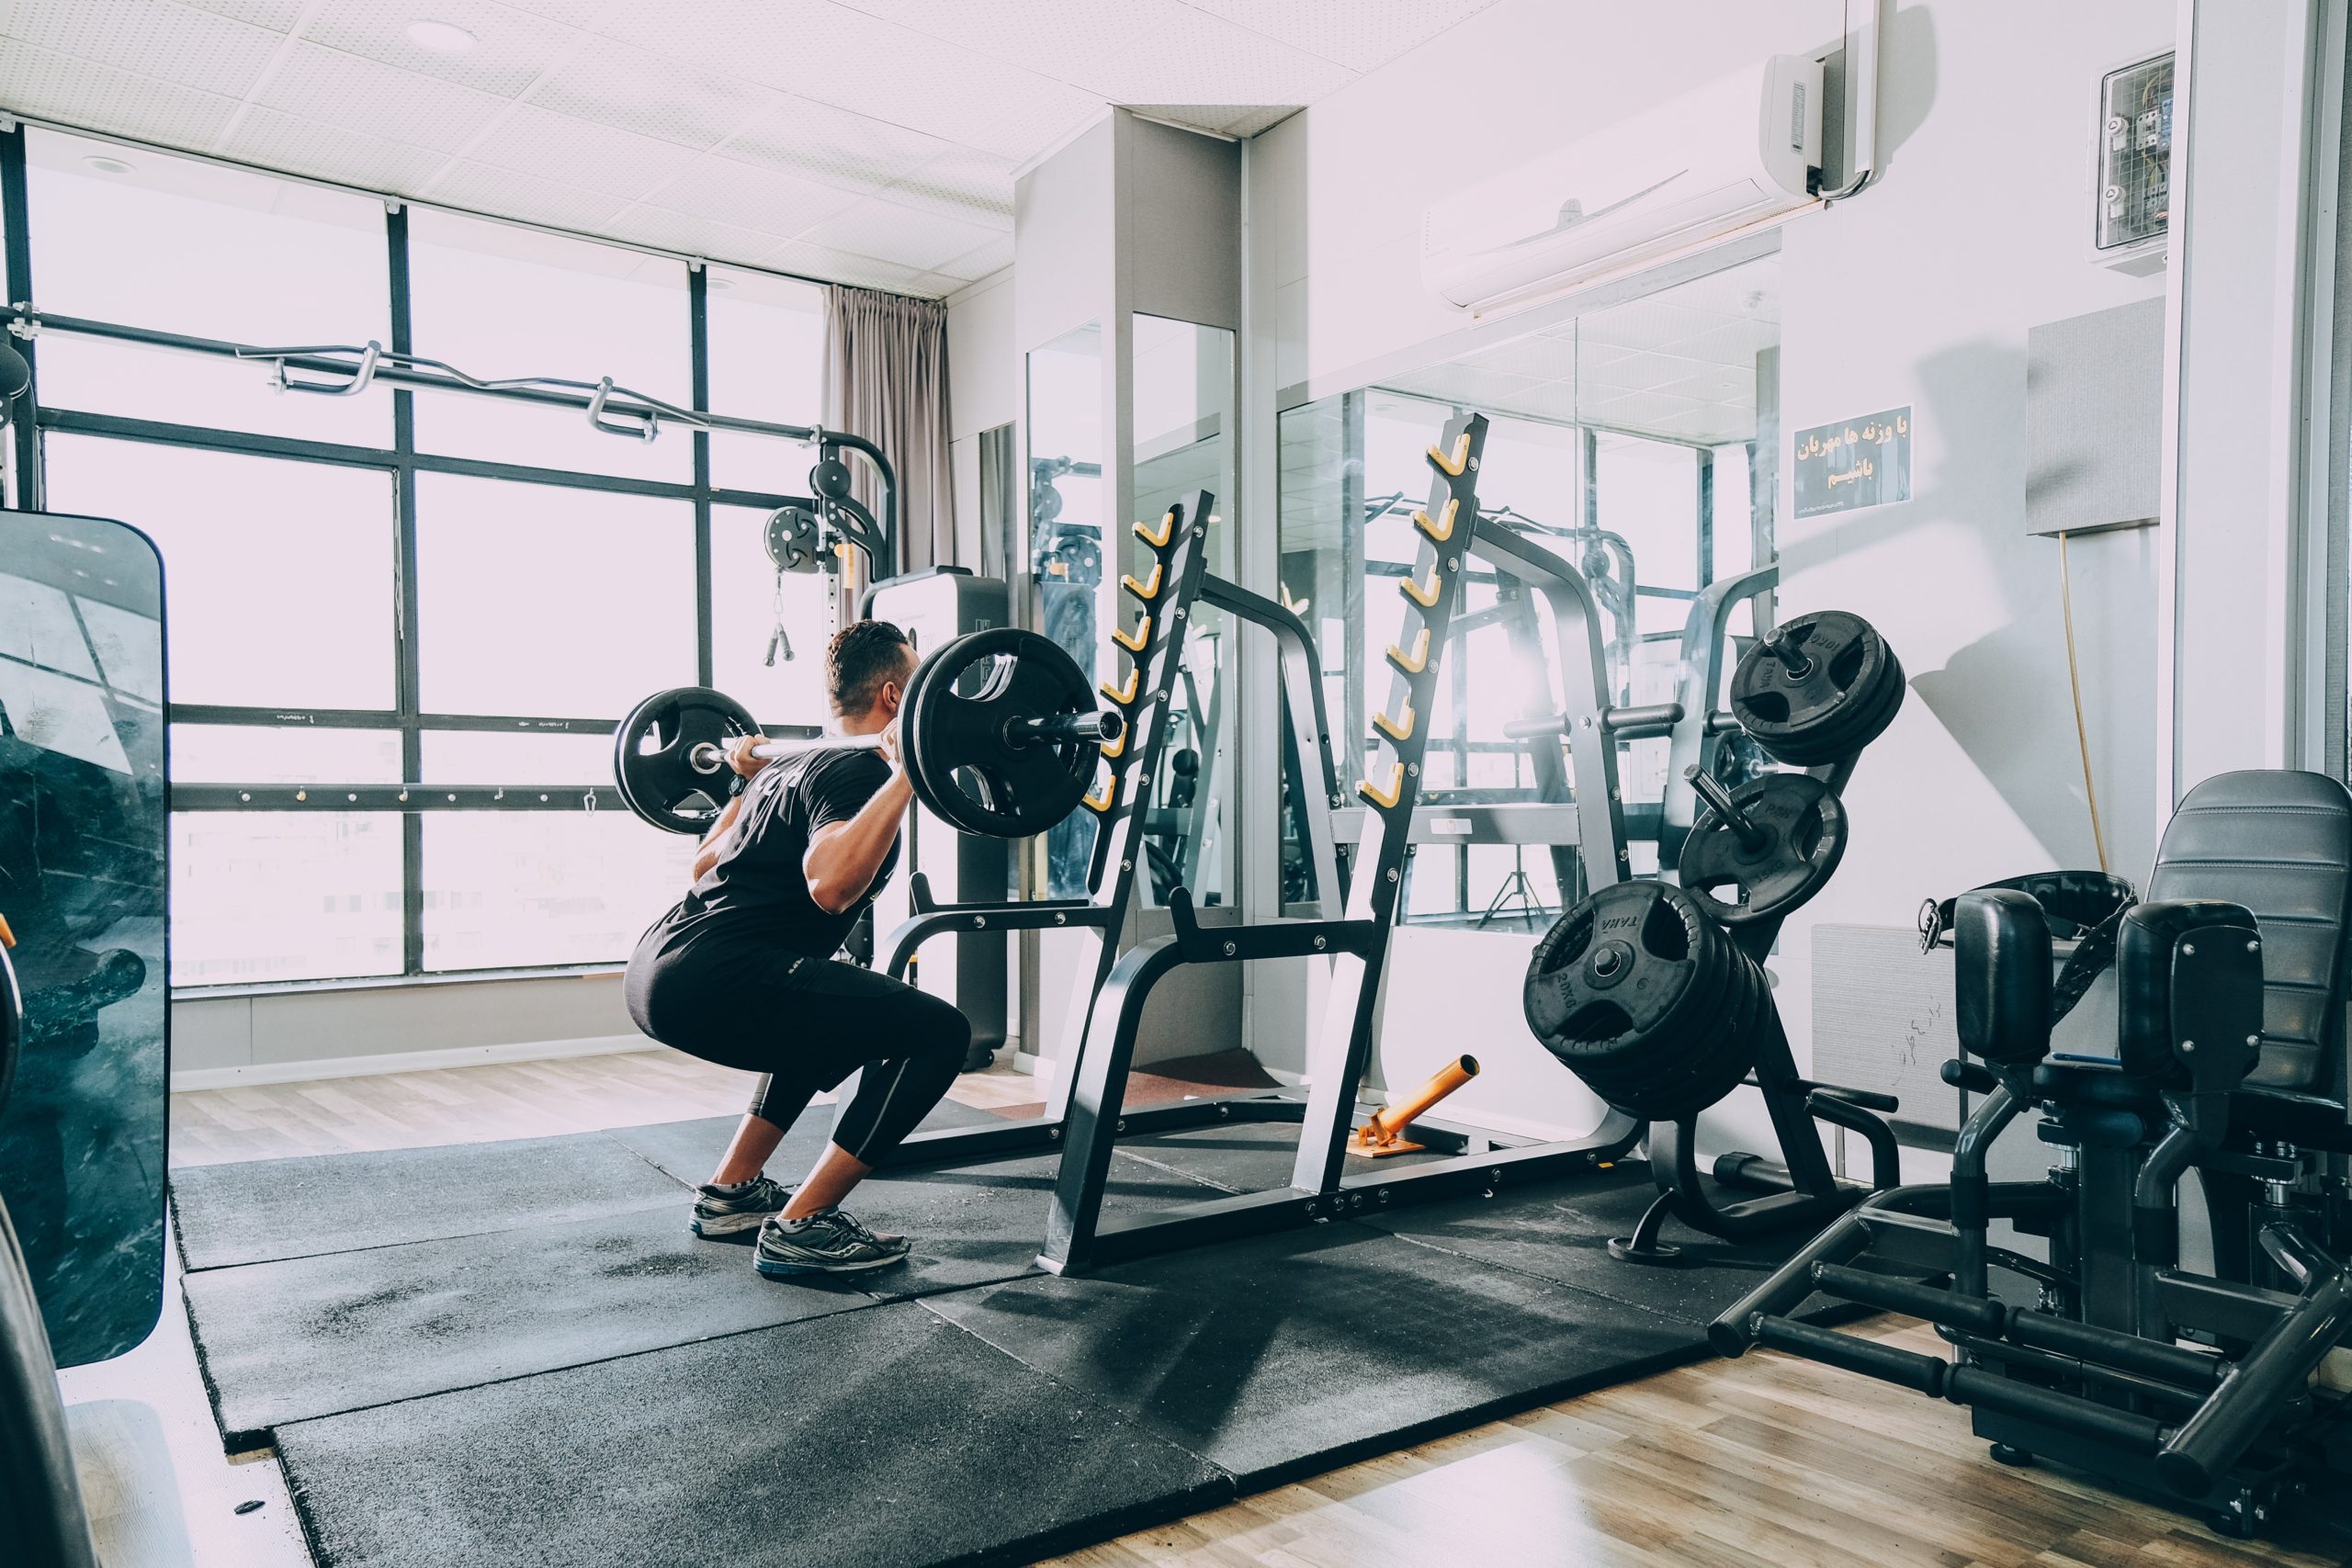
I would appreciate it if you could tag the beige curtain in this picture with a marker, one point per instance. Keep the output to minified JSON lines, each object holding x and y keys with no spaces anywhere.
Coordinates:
{"x":886,"y":378}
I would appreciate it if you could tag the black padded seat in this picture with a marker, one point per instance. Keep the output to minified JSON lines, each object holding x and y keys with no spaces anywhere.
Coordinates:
{"x":2279,"y":842}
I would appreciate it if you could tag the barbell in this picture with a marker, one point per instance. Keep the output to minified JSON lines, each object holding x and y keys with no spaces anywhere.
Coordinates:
{"x":1009,"y":754}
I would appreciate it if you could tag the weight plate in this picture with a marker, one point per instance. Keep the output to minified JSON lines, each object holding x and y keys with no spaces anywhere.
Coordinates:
{"x":792,"y":539}
{"x":1627,"y":972}
{"x":1842,"y":664}
{"x":654,"y":759}
{"x":1802,"y":831}
{"x":1866,"y":719}
{"x":965,"y":757}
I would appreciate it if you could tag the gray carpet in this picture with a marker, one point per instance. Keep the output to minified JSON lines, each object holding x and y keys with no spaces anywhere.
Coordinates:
{"x":880,"y":1438}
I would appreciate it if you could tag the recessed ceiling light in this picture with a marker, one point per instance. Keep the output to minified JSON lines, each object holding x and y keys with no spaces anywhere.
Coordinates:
{"x":103,"y":164}
{"x":442,"y":38}
{"x":719,"y":284}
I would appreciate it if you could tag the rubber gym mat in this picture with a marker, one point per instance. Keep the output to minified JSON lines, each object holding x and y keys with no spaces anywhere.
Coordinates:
{"x":689,"y":1150}
{"x":879,"y":1439}
{"x":254,"y":1210}
{"x":1561,"y":1230}
{"x":1244,"y":1156}
{"x":983,"y":1224}
{"x":1287,"y":1355}
{"x":315,"y":1336}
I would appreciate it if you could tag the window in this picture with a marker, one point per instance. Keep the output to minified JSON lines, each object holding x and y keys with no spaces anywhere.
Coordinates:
{"x":126,"y":235}
{"x":279,"y":575}
{"x":480,"y":604}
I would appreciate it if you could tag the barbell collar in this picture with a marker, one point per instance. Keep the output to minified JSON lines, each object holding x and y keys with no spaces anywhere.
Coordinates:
{"x":1099,"y":728}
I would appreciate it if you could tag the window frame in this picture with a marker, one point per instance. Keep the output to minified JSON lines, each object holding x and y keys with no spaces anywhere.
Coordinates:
{"x":402,"y":461}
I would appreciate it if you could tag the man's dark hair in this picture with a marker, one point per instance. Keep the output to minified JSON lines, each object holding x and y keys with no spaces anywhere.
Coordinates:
{"x":861,"y":658}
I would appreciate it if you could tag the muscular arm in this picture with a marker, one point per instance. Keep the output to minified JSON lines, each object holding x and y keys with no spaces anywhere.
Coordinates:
{"x":844,"y":856}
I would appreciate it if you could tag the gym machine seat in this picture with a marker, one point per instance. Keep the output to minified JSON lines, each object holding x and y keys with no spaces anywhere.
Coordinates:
{"x":2229,"y":1059}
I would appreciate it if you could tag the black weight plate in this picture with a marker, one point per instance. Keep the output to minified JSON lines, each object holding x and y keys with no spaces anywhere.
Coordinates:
{"x":1805,"y":830}
{"x":653,"y":761}
{"x":1844,"y":660}
{"x":792,"y":541}
{"x":1630,"y":966}
{"x":963,"y":758}
{"x":1868,"y":714}
{"x":1723,"y":1057}
{"x":1705,"y":1066}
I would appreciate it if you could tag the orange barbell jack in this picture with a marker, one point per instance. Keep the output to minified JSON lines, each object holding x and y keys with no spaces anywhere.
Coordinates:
{"x":1383,"y":1133}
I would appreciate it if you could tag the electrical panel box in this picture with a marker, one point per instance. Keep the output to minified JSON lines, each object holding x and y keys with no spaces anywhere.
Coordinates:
{"x":2131,"y":167}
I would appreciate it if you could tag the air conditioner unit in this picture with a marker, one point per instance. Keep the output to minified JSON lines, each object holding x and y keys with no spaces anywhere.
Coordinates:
{"x":1738,"y":151}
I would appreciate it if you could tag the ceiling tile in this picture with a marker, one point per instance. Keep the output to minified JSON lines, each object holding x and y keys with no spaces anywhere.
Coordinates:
{"x":962,"y":182}
{"x":689,"y":235}
{"x":749,"y":198}
{"x":1061,"y":39}
{"x":652,"y":95}
{"x":512,"y":48}
{"x":863,"y":64}
{"x":363,"y":96}
{"x":1359,"y":34}
{"x":571,"y":13}
{"x":800,"y":136}
{"x":1199,"y":57}
{"x":300,"y":146}
{"x":151,"y":37}
{"x":994,"y":256}
{"x":55,"y":87}
{"x":532,"y":141}
{"x":919,"y":240}
{"x":277,"y":16}
{"x":840,"y":267}
{"x":484,"y":187}
{"x":1240,"y":121}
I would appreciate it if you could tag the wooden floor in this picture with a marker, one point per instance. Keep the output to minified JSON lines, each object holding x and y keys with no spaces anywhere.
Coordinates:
{"x":1764,"y":1463}
{"x":470,"y":1105}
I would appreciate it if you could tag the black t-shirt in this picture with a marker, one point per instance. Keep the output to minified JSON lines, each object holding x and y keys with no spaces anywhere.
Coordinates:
{"x":757,"y":888}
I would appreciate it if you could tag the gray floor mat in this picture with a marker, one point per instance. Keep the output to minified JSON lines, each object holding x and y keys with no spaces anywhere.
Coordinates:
{"x":689,"y":1151}
{"x":314,"y":1336}
{"x":254,"y":1210}
{"x":883,"y":1439}
{"x":1290,"y":1354}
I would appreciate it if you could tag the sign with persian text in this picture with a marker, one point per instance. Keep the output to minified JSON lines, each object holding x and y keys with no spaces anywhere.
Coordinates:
{"x":1854,"y":463}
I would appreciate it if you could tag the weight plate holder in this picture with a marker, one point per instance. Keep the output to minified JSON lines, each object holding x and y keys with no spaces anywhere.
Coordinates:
{"x":1162,"y":599}
{"x":967,"y":762}
{"x":654,"y":757}
{"x":1821,"y":687}
{"x":1799,"y":834}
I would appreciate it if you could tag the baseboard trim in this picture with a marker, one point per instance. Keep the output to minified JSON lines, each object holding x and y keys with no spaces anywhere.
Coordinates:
{"x":405,"y":1062}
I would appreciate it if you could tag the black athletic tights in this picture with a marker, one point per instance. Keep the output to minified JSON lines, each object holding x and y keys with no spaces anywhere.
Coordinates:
{"x":806,"y":1023}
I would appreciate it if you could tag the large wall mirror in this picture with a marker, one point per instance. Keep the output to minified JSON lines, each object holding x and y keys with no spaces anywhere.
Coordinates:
{"x":1071,"y":599}
{"x":1636,"y":440}
{"x":82,"y":890}
{"x":1183,"y":442}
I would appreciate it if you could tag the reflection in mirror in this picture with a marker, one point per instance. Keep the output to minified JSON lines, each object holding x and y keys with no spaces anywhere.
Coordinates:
{"x":1636,"y":442}
{"x":82,"y":887}
{"x":1066,"y":512}
{"x":1183,"y":419}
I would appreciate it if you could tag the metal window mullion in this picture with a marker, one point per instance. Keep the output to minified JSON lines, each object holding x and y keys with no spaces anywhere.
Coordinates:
{"x":698,"y":348}
{"x":31,"y":486}
{"x":408,"y":677}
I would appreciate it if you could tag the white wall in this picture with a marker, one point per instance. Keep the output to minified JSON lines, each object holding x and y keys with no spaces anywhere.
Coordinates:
{"x":1917,"y":292}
